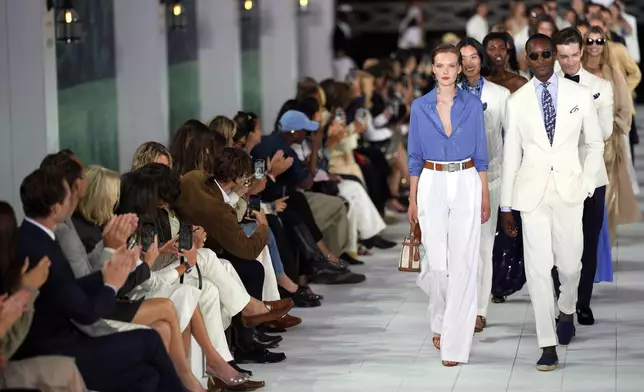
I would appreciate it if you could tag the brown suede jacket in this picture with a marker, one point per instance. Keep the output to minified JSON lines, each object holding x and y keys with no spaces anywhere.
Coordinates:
{"x":202,"y":203}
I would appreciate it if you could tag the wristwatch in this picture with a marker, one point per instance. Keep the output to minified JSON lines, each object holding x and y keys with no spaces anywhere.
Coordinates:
{"x":188,"y":267}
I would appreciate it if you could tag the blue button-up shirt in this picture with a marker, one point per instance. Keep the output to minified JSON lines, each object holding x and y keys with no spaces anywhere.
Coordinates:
{"x":427,"y":138}
{"x":552,"y":89}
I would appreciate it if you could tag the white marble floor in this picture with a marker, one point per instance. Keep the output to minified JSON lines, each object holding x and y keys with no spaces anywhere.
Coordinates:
{"x":374,"y":337}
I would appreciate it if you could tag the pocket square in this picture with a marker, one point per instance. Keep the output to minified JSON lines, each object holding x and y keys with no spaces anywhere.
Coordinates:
{"x":484,"y":106}
{"x":575,"y":109}
{"x":595,"y":96}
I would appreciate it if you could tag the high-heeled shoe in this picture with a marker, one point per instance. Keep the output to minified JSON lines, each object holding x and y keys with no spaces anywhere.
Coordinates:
{"x":239,"y":379}
{"x":216,"y":384}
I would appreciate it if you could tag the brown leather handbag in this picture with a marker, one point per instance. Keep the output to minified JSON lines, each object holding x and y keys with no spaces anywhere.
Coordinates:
{"x":410,"y":253}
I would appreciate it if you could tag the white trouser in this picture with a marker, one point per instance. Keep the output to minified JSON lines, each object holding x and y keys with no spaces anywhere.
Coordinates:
{"x":364,"y":218}
{"x":552,"y":236}
{"x":488,"y":234}
{"x":449,"y":212}
{"x":270,"y":291}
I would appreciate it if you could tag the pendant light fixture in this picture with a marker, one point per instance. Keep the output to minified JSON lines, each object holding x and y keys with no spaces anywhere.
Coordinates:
{"x":176,"y":14}
{"x":304,"y":5}
{"x":68,"y":24}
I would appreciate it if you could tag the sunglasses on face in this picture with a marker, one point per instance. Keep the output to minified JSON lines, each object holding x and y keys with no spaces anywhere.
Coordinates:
{"x":545,"y":55}
{"x":598,"y":41}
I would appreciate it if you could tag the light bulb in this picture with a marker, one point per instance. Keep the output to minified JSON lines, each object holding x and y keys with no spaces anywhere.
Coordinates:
{"x":69,"y":17}
{"x":248,"y":5}
{"x":177,"y":10}
{"x":304,"y":3}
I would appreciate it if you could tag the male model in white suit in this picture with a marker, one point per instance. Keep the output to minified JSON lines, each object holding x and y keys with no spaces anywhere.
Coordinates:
{"x":544,"y":179}
{"x":570,"y":46}
{"x":494,"y":100}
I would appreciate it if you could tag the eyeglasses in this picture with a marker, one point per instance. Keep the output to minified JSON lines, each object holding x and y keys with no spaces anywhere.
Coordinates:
{"x":546,"y":54}
{"x":598,"y":41}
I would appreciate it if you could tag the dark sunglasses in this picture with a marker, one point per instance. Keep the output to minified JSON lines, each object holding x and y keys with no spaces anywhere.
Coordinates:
{"x":546,"y":54}
{"x":598,"y":41}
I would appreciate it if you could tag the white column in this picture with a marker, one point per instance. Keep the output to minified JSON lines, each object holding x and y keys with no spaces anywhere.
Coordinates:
{"x":141,"y":75}
{"x":220,"y":67}
{"x":315,"y":39}
{"x":28,"y":93}
{"x":278,"y":53}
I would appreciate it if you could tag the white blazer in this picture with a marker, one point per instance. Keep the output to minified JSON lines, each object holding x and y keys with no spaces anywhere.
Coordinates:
{"x":529,"y":159}
{"x":494,"y":98}
{"x":602,"y":92}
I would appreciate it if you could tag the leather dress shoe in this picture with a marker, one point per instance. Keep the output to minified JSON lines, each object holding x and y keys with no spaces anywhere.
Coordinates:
{"x":240,"y":370}
{"x":262,"y":340}
{"x":248,"y":385}
{"x":378,"y":242}
{"x":350,"y":260}
{"x":285,"y":322}
{"x":266,"y":329}
{"x":301,"y":297}
{"x":585,"y":316}
{"x":258,"y":356}
{"x":283,"y":304}
{"x":251,"y":321}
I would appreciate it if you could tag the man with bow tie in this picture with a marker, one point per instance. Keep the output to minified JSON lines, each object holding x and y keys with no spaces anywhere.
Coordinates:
{"x":544,"y":178}
{"x":494,"y":99}
{"x":569,"y":52}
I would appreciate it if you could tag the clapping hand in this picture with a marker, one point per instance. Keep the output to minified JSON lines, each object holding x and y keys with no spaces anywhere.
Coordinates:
{"x":119,"y":229}
{"x":34,"y":278}
{"x":278,"y":164}
{"x":117,"y":268}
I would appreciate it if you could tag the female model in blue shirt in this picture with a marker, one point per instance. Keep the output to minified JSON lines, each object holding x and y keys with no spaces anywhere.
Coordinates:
{"x":449,"y":197}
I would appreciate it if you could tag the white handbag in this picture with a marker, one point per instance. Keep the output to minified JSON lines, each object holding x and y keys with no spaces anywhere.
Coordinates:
{"x":410,"y":253}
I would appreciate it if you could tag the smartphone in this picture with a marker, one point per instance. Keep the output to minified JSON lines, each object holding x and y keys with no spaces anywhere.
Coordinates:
{"x":283,"y":191}
{"x":254,"y":204}
{"x":146,"y":238}
{"x":361,"y":115}
{"x":132,"y":241}
{"x":339,"y":116}
{"x":185,"y":237}
{"x":260,"y":168}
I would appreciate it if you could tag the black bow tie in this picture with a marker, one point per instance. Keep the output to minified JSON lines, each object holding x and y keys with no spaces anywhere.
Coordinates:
{"x":573,"y":78}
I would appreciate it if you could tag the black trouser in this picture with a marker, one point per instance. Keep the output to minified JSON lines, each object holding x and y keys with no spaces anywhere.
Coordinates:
{"x":287,"y":252}
{"x":375,"y":173}
{"x":299,"y":211}
{"x":251,"y":273}
{"x":634,"y":139}
{"x":593,"y":219}
{"x":124,"y":361}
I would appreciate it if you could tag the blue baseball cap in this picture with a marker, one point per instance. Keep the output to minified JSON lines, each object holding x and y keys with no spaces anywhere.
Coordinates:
{"x":293,"y":120}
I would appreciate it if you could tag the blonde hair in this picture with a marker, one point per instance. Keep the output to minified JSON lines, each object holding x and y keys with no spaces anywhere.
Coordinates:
{"x":103,"y":192}
{"x":604,"y":60}
{"x":225,"y":127}
{"x":363,"y":79}
{"x":148,"y":152}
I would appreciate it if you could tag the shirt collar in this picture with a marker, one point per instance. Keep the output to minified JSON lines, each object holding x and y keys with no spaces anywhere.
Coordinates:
{"x":223,"y":193}
{"x":43,"y":228}
{"x":432,"y":96}
{"x":553,"y":81}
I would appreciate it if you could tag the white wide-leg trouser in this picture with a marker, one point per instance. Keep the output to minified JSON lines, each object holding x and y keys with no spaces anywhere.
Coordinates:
{"x":488,"y":234}
{"x":449,"y":212}
{"x":552,"y":236}
{"x":364,"y":219}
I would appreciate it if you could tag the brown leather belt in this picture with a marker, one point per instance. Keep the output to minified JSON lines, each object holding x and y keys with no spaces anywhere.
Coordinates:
{"x":449,"y":167}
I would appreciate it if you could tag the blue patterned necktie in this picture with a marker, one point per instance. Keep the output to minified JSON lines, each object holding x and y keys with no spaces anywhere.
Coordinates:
{"x":549,"y":113}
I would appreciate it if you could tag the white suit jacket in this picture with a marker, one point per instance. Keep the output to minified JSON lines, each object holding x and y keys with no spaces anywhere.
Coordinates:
{"x":494,"y":98}
{"x":529,"y":159}
{"x":602,"y":92}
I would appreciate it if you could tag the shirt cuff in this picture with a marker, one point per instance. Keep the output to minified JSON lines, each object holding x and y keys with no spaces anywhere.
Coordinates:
{"x":112,"y":287}
{"x":110,"y":250}
{"x":506,"y":209}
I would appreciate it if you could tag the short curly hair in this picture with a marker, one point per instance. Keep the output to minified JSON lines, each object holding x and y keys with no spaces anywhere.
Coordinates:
{"x":231,"y":164}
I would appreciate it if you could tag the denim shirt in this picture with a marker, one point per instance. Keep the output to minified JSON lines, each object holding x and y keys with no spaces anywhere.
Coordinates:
{"x":427,"y":138}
